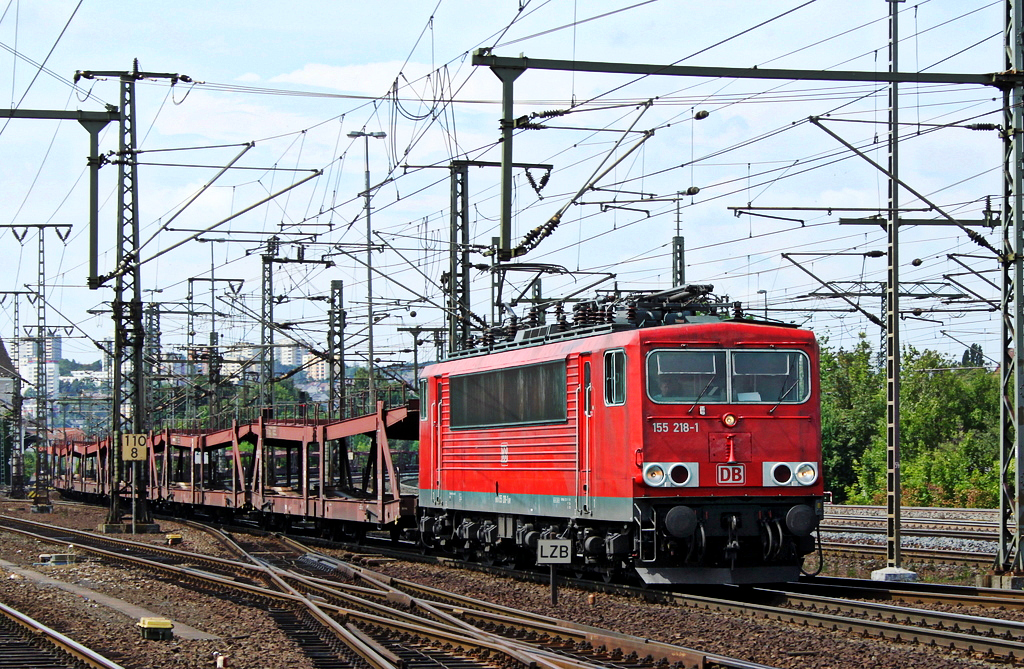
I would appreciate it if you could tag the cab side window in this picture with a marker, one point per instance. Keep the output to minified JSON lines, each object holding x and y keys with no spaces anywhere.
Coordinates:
{"x":614,"y":377}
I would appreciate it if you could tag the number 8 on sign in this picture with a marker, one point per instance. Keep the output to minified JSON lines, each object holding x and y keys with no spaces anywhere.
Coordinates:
{"x":133,"y":446}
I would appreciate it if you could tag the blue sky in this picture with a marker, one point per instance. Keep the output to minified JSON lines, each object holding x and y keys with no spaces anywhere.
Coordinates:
{"x":297,"y":79}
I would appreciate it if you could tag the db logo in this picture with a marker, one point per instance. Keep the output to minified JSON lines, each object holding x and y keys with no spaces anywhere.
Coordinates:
{"x":730,"y":475}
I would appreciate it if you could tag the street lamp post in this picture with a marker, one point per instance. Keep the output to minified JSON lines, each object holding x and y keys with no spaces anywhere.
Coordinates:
{"x":765,"y":293}
{"x":355,"y":134}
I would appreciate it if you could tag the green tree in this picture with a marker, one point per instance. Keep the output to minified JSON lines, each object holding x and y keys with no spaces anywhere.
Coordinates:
{"x":852,"y":404}
{"x":973,"y":356}
{"x":949,"y":436}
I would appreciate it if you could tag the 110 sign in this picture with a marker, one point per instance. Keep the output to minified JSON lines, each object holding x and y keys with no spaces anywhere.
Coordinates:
{"x":133,"y":446}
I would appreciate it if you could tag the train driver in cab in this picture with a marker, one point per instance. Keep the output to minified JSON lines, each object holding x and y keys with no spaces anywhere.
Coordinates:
{"x":668,"y":388}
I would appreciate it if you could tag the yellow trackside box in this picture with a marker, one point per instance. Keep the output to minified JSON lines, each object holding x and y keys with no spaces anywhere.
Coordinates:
{"x":173,"y":539}
{"x":156,"y":629}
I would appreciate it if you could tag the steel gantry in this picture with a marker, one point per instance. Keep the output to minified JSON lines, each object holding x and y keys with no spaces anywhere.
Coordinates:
{"x":1011,"y":82}
{"x":267,"y":325}
{"x":40,"y":494}
{"x":93,"y":122}
{"x":128,"y":403}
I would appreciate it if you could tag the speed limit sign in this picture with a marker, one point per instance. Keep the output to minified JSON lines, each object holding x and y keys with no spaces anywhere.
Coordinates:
{"x":133,"y":446}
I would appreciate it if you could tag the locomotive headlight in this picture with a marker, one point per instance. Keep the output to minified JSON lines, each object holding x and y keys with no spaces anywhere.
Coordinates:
{"x":806,"y":473}
{"x":730,"y":420}
{"x":654,"y":475}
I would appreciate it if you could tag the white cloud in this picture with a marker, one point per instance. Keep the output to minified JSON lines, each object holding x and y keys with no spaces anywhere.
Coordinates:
{"x":363,"y":79}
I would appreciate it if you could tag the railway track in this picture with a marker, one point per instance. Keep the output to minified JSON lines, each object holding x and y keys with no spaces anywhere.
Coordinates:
{"x":537,"y":640}
{"x":913,"y":512}
{"x":378,"y":610}
{"x":25,"y":642}
{"x":980,"y":524}
{"x":832,"y":606}
{"x":910,"y":555}
{"x":377,"y":624}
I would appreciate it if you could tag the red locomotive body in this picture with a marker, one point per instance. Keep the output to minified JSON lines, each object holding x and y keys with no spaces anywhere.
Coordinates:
{"x":688,"y":453}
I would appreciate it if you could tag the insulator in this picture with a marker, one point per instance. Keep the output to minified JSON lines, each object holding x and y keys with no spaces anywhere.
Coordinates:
{"x":533,"y":184}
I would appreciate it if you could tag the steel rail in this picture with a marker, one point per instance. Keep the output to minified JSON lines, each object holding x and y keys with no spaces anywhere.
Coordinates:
{"x":940,"y":637}
{"x":81,"y":538}
{"x":372,"y":653}
{"x":459,"y":608}
{"x":281,"y":578}
{"x":260,"y":593}
{"x":922,"y":522}
{"x":453,"y":618}
{"x":1005,"y":648}
{"x":913,"y":512}
{"x":941,"y":620}
{"x":911,"y":554}
{"x":930,"y":593}
{"x":913,"y":532}
{"x":76,"y":650}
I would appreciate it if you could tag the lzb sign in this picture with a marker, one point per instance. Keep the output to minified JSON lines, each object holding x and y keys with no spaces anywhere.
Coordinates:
{"x":554,"y":551}
{"x":133,"y":446}
{"x":731,"y":474}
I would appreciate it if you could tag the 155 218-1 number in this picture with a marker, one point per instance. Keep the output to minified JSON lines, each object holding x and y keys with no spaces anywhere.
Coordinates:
{"x":675,"y":427}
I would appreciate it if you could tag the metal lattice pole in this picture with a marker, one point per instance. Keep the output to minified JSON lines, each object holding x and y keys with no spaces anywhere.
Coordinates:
{"x":336,"y":352}
{"x":458,"y":260}
{"x":190,"y":389}
{"x":41,"y":494}
{"x":152,"y":353}
{"x":128,"y":402}
{"x":128,"y":397}
{"x":266,"y":329}
{"x":892,"y":312}
{"x":17,"y":422}
{"x":1011,"y":524}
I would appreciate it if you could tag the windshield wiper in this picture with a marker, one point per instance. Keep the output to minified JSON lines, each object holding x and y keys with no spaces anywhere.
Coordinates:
{"x":701,"y":394}
{"x":783,"y":396}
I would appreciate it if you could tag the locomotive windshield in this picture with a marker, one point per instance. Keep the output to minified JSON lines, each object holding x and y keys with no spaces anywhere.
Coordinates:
{"x":737,"y":377}
{"x":686,"y":376}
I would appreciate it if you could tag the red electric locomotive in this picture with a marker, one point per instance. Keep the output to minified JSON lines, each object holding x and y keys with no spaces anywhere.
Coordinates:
{"x":667,"y":441}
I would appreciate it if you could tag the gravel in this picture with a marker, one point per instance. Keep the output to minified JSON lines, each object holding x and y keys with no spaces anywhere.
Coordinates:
{"x":251,"y":639}
{"x":931,"y":543}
